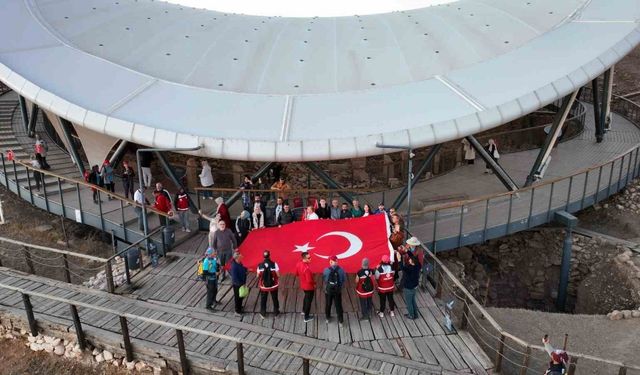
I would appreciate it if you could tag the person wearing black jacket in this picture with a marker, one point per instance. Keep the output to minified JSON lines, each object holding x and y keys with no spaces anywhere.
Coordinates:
{"x":286,"y":216}
{"x":238,"y":279}
{"x":243,"y":226}
{"x":345,"y":212}
{"x":410,"y":279}
{"x":323,"y":211}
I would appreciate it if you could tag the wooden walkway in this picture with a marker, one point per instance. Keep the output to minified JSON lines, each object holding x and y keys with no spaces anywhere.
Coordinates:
{"x":420,"y":349}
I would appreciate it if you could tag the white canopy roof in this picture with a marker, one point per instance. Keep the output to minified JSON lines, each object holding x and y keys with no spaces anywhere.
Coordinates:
{"x":294,"y":89}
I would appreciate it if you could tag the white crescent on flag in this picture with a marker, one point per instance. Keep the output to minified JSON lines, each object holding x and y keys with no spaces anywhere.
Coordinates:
{"x":355,"y":244}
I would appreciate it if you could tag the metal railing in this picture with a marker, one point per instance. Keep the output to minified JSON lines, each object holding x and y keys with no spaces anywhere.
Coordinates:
{"x":179,"y":329}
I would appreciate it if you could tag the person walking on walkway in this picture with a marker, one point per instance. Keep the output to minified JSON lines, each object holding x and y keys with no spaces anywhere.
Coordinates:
{"x":469,"y":152}
{"x":210,"y":271}
{"x":334,"y":279}
{"x":145,"y":166}
{"x":206,"y":179}
{"x":243,"y":226}
{"x":106,"y":173}
{"x":140,"y":199}
{"x":365,"y":283}
{"x":223,"y":211}
{"x":42,"y":148}
{"x":268,"y":277}
{"x":386,"y":285}
{"x":163,"y":205}
{"x":246,"y":184}
{"x":95,"y":179}
{"x":182,"y":207}
{"x":128,"y":178}
{"x":492,"y":150}
{"x":238,"y":279}
{"x":37,"y":176}
{"x":307,"y":284}
{"x":224,"y":243}
{"x":410,"y":280}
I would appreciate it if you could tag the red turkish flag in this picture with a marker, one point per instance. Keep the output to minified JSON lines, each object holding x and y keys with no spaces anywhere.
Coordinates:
{"x":350,"y":240}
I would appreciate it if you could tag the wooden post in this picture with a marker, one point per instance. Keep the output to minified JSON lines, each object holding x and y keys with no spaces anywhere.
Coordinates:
{"x":33,"y":326}
{"x":464,"y":320}
{"x":305,"y":366}
{"x":573,"y":362}
{"x":240,"y":353}
{"x":439,"y":285}
{"x":525,"y":361}
{"x":499,"y":354}
{"x":126,"y":339}
{"x":67,"y":274}
{"x":183,"y":354}
{"x":78,"y":326}
{"x":126,"y":268}
{"x":27,"y":258}
{"x":622,"y":371}
{"x":109,"y":273}
{"x":566,"y":341}
{"x":486,"y":295}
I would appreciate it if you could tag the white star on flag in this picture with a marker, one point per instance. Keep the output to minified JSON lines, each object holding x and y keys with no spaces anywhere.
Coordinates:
{"x":303,"y":248}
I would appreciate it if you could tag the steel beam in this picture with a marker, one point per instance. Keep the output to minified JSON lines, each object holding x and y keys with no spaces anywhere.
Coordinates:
{"x":552,"y":138}
{"x":426,"y":164}
{"x":605,"y":113}
{"x":23,"y":111}
{"x":261,"y":172}
{"x":330,"y":182}
{"x":169,"y":172}
{"x":66,"y":132}
{"x":595,"y":92}
{"x":31,"y":125}
{"x":502,"y":175}
{"x":117,"y":154}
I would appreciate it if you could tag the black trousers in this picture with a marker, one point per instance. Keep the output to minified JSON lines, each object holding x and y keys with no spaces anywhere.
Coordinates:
{"x":274,"y":299}
{"x":38,"y":177}
{"x":384,"y":297}
{"x":306,"y":303}
{"x":212,"y":292}
{"x":128,"y":188}
{"x":163,"y":221}
{"x":329,"y":299}
{"x":236,"y":299}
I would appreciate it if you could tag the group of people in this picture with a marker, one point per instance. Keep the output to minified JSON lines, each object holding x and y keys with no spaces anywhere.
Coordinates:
{"x":490,"y":147}
{"x":380,"y":279}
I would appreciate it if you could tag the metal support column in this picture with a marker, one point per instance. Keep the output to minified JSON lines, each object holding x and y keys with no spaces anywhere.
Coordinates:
{"x":31,"y":125}
{"x":595,"y":93}
{"x":502,"y":175}
{"x":117,"y":154}
{"x":259,"y":173}
{"x":552,"y":139}
{"x":426,"y":164}
{"x":66,"y":131}
{"x":169,"y":172}
{"x":330,"y":182}
{"x":605,"y":113}
{"x":23,"y":111}
{"x":570,"y":222}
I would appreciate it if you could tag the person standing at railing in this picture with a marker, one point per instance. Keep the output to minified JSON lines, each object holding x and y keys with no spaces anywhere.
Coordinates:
{"x":145,"y":165}
{"x":323,"y":211}
{"x":356,"y":210}
{"x":41,"y":148}
{"x":559,"y":358}
{"x":210,"y":270}
{"x":246,"y":184}
{"x":335,"y":209}
{"x":206,"y":179}
{"x":182,"y":207}
{"x":128,"y":178}
{"x":469,"y":152}
{"x":140,"y":199}
{"x":281,"y":187}
{"x":106,"y":173}
{"x":162,"y":204}
{"x":95,"y":179}
{"x":492,"y":150}
{"x":37,"y":176}
{"x":386,"y":285}
{"x":410,"y":280}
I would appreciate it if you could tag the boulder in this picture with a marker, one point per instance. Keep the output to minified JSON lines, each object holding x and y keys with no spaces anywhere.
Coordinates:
{"x":616,"y":315}
{"x":130,"y":365}
{"x":108,"y":356}
{"x":626,"y":314}
{"x":635,"y":314}
{"x":99,"y":358}
{"x":43,"y":228}
{"x":140,"y":366}
{"x":35,"y":347}
{"x":47,"y":347}
{"x":59,"y":350}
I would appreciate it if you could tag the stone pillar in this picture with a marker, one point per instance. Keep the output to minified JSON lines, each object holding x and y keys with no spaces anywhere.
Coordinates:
{"x":436,"y":163}
{"x":192,"y":173}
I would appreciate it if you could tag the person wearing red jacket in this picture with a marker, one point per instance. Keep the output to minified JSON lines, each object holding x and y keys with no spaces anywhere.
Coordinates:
{"x":386,"y":285}
{"x":182,"y":206}
{"x":307,"y":284}
{"x":163,"y":204}
{"x":223,"y":211}
{"x":365,"y":284}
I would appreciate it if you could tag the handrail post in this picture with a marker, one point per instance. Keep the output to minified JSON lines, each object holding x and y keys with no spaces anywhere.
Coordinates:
{"x":4,"y":171}
{"x":44,"y":192}
{"x":240,"y":353}
{"x":29,"y":184}
{"x":78,"y":327}
{"x":464,"y":321}
{"x":100,"y":211}
{"x":33,"y":326}
{"x":64,"y":209}
{"x":109,"y":273}
{"x":622,"y":370}
{"x":124,"y":224}
{"x":15,"y":176}
{"x":126,"y":339}
{"x":67,"y":274}
{"x":79,"y":202}
{"x":126,"y":269}
{"x":184,"y":363}
{"x":525,"y":361}
{"x":499,"y":354}
{"x":573,"y":363}
{"x":305,"y":366}
{"x":27,"y":258}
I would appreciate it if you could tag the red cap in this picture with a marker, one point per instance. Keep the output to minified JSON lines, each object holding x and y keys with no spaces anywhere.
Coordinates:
{"x":559,"y":356}
{"x":106,"y":162}
{"x":334,"y":258}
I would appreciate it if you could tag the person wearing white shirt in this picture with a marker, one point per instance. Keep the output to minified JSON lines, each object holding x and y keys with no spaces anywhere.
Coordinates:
{"x":139,"y":198}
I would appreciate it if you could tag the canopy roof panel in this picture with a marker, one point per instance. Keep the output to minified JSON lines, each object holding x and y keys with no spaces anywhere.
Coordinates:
{"x":305,"y":88}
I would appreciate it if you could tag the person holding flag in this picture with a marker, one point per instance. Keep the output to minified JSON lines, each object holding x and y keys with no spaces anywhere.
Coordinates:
{"x":268,"y":276}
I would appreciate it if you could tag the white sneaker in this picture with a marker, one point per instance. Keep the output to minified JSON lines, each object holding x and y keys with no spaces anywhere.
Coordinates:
{"x":187,"y":230}
{"x":381,"y":314}
{"x":391,"y":313}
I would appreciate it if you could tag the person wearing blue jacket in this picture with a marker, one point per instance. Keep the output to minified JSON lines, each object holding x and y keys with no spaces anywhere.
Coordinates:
{"x":334,"y":279}
{"x":238,"y":279}
{"x":210,"y":271}
{"x":410,"y":278}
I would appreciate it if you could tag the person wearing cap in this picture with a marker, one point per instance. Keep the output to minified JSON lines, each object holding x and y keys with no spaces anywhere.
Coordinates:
{"x":307,"y":284}
{"x":334,"y":279}
{"x":365,"y":284}
{"x":559,"y":358}
{"x":413,"y":247}
{"x":210,"y":271}
{"x":128,"y":178}
{"x":238,"y":278}
{"x":410,"y":280}
{"x":386,"y":285}
{"x":106,"y":172}
{"x":268,"y":276}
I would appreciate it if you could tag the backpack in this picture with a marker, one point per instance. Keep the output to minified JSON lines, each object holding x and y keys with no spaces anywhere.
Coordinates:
{"x":367,"y":284}
{"x":333,"y":281}
{"x":267,"y":277}
{"x":200,"y":270}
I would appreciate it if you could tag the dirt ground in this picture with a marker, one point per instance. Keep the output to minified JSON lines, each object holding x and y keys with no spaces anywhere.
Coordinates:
{"x":17,"y":359}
